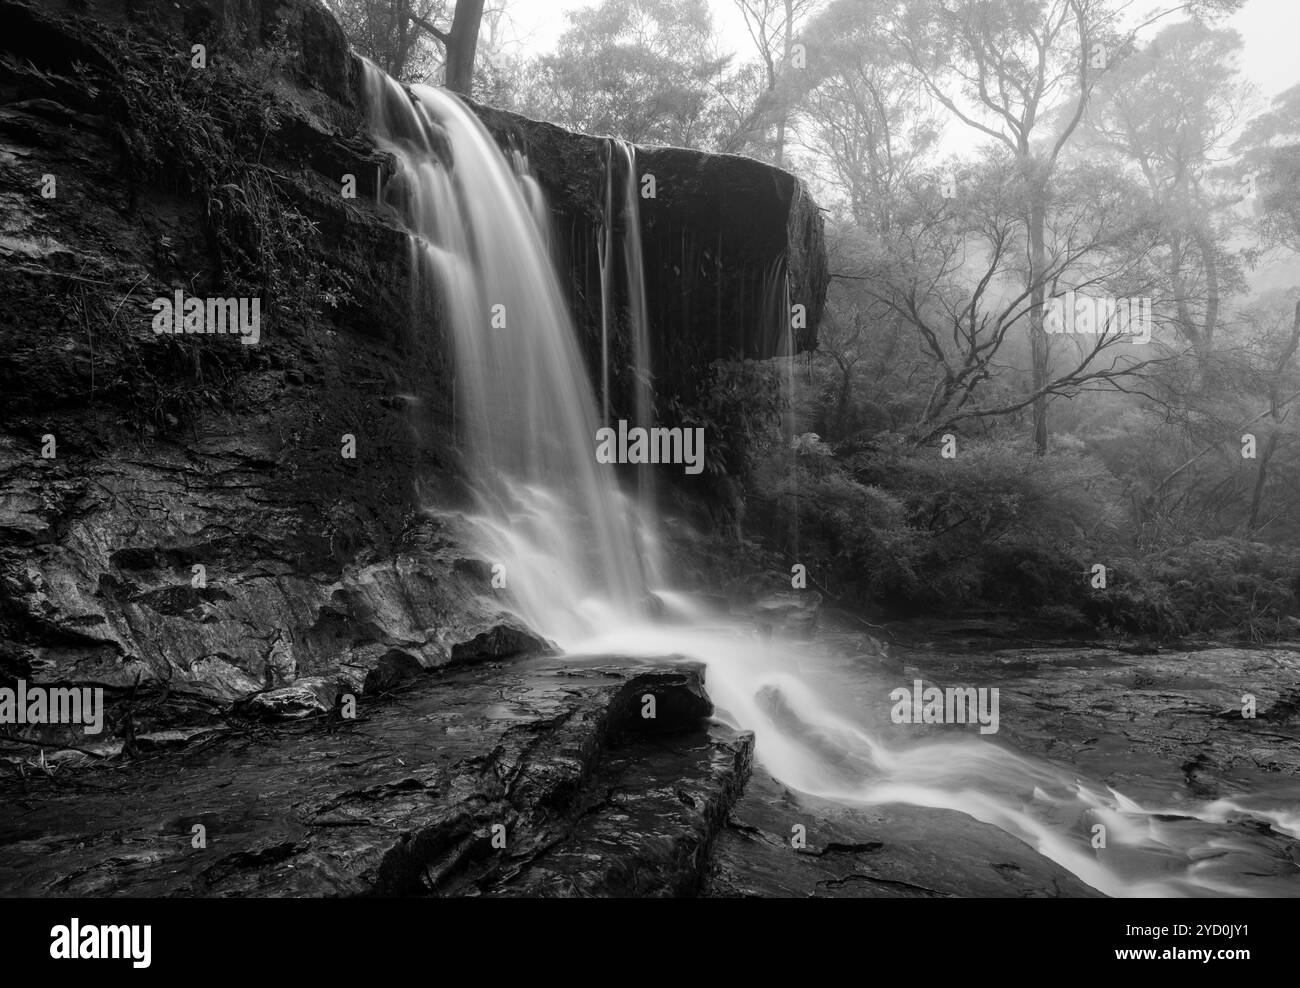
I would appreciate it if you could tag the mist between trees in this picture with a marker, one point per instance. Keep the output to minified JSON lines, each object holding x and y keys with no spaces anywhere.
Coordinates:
{"x":949,"y":453}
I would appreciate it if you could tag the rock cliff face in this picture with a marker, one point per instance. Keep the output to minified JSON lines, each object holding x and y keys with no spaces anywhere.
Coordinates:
{"x":724,"y":238}
{"x":176,"y":510}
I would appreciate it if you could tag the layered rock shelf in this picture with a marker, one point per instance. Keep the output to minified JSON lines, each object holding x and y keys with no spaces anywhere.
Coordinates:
{"x":533,"y":777}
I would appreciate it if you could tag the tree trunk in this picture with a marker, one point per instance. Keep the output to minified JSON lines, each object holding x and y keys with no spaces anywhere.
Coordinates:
{"x":842,"y":406}
{"x":1257,"y":496}
{"x":1211,"y":262}
{"x":785,"y":73}
{"x":1275,"y":413}
{"x":462,"y":42}
{"x":1037,"y":265}
{"x":405,"y":32}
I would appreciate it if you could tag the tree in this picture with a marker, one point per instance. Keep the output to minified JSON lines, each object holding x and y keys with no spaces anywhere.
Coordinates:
{"x":500,"y":70}
{"x":956,"y":270}
{"x":459,"y":43}
{"x":643,"y":70}
{"x":1280,"y":372}
{"x":1026,"y":71}
{"x":1167,"y":112}
{"x":394,"y":34}
{"x":1270,"y":169}
{"x":771,"y":26}
{"x":388,"y":33}
{"x":865,"y":115}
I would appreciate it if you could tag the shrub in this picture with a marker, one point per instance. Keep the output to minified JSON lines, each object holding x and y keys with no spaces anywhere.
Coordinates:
{"x":854,"y":538}
{"x":1213,"y":585}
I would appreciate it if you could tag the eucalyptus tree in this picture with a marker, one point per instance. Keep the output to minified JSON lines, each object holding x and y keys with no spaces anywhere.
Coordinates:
{"x":404,"y":39}
{"x":459,"y":42}
{"x":1168,"y":113}
{"x":1269,"y":173}
{"x":866,"y":117}
{"x":388,"y":33}
{"x":957,"y":270}
{"x":1021,"y":73}
{"x":643,"y":70}
{"x":772,"y":27}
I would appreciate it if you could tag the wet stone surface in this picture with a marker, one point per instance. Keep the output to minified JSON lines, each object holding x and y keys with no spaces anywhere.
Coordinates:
{"x":404,"y":799}
{"x":889,"y":852}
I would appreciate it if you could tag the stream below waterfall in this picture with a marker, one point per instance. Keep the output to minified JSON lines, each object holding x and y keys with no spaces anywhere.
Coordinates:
{"x":1193,"y":802}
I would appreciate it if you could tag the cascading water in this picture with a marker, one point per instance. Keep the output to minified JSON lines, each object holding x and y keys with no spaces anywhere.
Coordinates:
{"x":525,"y":413}
{"x":567,"y":537}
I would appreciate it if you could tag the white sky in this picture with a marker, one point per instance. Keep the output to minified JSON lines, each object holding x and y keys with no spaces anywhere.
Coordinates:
{"x":541,"y":22}
{"x":1270,"y":29}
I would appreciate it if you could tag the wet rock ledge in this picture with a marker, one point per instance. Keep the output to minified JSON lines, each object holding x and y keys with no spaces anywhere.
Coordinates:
{"x":535,"y":777}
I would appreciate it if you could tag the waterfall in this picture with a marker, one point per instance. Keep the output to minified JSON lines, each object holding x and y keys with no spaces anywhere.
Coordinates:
{"x":526,"y":420}
{"x":567,"y":536}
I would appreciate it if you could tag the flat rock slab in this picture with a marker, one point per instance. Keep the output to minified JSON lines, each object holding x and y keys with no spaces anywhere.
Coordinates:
{"x":405,"y":799}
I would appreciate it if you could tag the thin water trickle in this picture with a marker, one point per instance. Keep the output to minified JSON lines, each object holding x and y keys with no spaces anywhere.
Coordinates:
{"x":569,"y":538}
{"x":633,"y":271}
